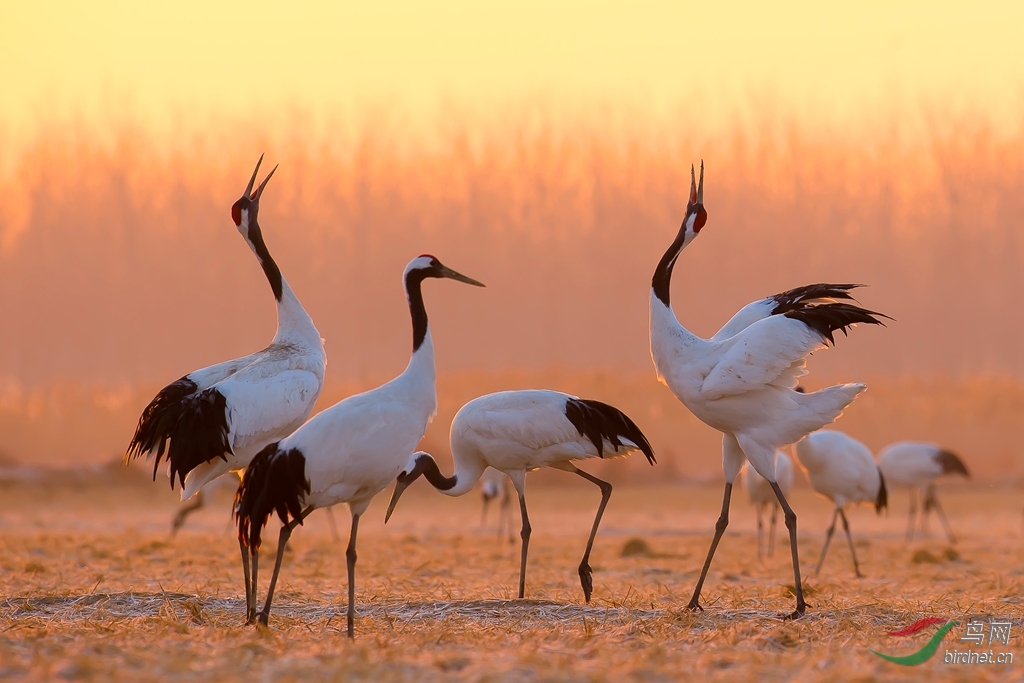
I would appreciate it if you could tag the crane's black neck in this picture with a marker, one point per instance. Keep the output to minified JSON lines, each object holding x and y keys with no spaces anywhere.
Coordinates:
{"x":662,"y":279}
{"x":270,"y":268}
{"x":426,"y":466}
{"x":417,"y":310}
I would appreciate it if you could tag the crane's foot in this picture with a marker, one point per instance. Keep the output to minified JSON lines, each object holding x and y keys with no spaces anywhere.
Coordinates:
{"x":586,"y":581}
{"x":694,"y":606}
{"x":800,"y":609}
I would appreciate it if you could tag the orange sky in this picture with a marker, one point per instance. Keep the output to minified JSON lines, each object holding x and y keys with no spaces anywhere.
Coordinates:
{"x":189,"y":58}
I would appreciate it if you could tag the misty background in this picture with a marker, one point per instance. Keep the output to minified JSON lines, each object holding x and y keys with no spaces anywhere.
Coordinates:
{"x":122,"y":271}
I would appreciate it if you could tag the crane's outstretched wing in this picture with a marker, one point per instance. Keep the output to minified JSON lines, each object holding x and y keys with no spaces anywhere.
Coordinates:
{"x":781,"y":303}
{"x":773,"y":351}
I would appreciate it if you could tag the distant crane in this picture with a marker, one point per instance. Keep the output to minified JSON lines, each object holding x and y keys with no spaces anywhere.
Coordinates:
{"x":741,"y":381}
{"x":843,"y":470}
{"x":519,"y":431}
{"x":915,"y":466}
{"x":494,"y":484}
{"x":218,"y":418}
{"x":347,"y":453}
{"x":762,"y":495}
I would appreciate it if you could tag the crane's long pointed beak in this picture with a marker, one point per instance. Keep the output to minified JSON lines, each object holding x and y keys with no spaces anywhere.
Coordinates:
{"x":259,"y":190}
{"x":459,"y":277}
{"x":700,"y":188}
{"x":400,"y":488}
{"x":252,"y":180}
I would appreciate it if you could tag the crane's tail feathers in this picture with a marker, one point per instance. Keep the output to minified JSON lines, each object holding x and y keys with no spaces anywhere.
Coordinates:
{"x":275,"y":481}
{"x":158,"y":419}
{"x":190,"y":427}
{"x":800,"y":297}
{"x":951,"y":463}
{"x":882,"y":501}
{"x":824,"y":406}
{"x":600,"y":422}
{"x":827,"y":318}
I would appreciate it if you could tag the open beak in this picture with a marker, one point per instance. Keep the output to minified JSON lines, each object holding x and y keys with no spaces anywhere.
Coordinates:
{"x":459,"y":277}
{"x":252,"y":181}
{"x":693,"y":184}
{"x":259,"y":190}
{"x":700,"y":188}
{"x":400,"y":487}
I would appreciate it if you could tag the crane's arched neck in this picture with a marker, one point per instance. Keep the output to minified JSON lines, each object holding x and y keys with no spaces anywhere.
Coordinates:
{"x":461,"y":482}
{"x":426,"y":466}
{"x":417,"y":310}
{"x":662,"y":279}
{"x":270,"y":268}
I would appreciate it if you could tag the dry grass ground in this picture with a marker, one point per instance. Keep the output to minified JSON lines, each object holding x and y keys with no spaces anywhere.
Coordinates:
{"x":93,"y":588}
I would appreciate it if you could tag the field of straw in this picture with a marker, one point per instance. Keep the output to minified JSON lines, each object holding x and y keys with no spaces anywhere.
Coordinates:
{"x":93,"y":587}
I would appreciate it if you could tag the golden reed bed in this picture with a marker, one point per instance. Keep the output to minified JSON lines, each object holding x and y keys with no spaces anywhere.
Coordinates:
{"x":93,"y":588}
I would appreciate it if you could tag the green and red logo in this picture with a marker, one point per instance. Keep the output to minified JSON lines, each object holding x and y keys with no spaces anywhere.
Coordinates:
{"x":928,"y":649}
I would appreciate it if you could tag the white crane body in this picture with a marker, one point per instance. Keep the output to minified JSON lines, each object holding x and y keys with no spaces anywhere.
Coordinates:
{"x":843,"y":470}
{"x":347,"y":453}
{"x":742,"y":380}
{"x":516,"y":432}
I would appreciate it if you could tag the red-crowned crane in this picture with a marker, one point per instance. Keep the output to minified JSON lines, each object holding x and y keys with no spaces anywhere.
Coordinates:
{"x":347,"y":453}
{"x":741,"y":381}
{"x":519,"y":431}
{"x":843,"y":470}
{"x":915,"y":466}
{"x":215,"y":420}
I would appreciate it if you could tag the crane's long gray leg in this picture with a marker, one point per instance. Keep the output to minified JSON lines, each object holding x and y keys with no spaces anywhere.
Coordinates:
{"x":828,"y":539}
{"x":720,"y":525}
{"x":760,"y":530}
{"x":525,"y":535}
{"x":185,"y":510}
{"x":586,"y":575}
{"x":801,"y":606}
{"x":286,"y":532}
{"x":282,"y":541}
{"x":849,"y":539}
{"x":771,"y":530}
{"x":934,"y":502}
{"x":350,"y":557}
{"x":250,"y":605}
{"x":255,"y":553}
{"x":913,"y":513}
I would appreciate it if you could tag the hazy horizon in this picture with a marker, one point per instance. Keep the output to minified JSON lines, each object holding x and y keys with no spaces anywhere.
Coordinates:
{"x":123,"y":271}
{"x":541,"y":147}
